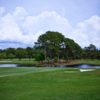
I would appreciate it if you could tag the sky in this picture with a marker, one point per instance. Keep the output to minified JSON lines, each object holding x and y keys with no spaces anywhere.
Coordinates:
{"x":23,"y":21}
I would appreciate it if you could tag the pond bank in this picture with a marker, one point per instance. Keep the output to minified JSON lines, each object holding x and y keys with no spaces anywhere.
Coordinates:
{"x":92,"y":62}
{"x":41,"y":64}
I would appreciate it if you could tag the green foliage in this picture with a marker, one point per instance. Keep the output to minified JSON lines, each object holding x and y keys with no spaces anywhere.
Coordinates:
{"x":91,"y":47}
{"x":30,"y":52}
{"x":50,"y":42}
{"x":55,"y":44}
{"x":11,"y":56}
{"x":3,"y":55}
{"x":21,"y":53}
{"x":55,"y":59}
{"x":50,"y":37}
{"x":73,"y":50}
{"x":91,"y":52}
{"x":10,"y":51}
{"x":39,"y":57}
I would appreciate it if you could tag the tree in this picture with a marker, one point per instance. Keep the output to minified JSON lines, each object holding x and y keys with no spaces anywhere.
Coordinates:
{"x":91,"y":52}
{"x":91,"y":47}
{"x":21,"y":53}
{"x":30,"y":52}
{"x":72,"y":49}
{"x":50,"y":42}
{"x":55,"y":45}
{"x":39,"y":57}
{"x":10,"y":53}
{"x":11,"y":56}
{"x":3,"y":55}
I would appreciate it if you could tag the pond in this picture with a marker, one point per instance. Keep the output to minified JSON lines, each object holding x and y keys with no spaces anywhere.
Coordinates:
{"x":83,"y":66}
{"x":78,"y":66}
{"x":15,"y":65}
{"x":61,"y":66}
{"x":8,"y":65}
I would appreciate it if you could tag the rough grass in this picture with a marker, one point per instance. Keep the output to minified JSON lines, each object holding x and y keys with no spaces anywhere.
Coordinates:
{"x":49,"y":84}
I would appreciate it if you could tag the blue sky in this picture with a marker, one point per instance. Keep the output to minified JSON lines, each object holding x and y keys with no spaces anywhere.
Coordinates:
{"x":22,"y":21}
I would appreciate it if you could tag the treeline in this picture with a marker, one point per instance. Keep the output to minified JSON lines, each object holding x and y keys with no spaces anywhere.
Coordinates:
{"x":12,"y":53}
{"x":91,"y":52}
{"x":52,"y":45}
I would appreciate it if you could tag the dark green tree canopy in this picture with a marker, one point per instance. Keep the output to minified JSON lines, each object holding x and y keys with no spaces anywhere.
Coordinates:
{"x":91,"y":47}
{"x":72,"y":48}
{"x":56,"y":45}
{"x":52,"y":38}
{"x":91,"y":52}
{"x":21,"y":53}
{"x":50,"y":42}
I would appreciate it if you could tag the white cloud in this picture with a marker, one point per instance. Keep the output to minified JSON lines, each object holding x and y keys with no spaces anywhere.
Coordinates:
{"x":20,"y":27}
{"x":10,"y":30}
{"x":44,"y":22}
{"x":88,"y":32}
{"x":20,"y":13}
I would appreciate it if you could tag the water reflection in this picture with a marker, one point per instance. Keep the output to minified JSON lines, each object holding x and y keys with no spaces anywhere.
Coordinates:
{"x":83,"y":66}
{"x":8,"y":65}
{"x":60,"y":66}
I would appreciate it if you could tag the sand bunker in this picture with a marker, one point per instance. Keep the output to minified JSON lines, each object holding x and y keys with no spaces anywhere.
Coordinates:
{"x":86,"y":70}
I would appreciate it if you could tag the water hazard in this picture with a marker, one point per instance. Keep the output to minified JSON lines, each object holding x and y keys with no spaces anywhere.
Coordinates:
{"x":83,"y":66}
{"x":61,"y":66}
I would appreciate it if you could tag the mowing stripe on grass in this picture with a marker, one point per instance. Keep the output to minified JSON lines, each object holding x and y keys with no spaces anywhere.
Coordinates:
{"x":36,"y":71}
{"x":70,"y":71}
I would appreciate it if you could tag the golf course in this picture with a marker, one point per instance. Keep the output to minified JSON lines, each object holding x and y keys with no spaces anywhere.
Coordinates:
{"x":45,"y":83}
{"x":49,"y":49}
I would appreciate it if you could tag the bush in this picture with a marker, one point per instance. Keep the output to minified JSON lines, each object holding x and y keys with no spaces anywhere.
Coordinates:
{"x":39,"y":57}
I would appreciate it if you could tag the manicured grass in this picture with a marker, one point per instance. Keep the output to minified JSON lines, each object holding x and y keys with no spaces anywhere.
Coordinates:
{"x":90,"y":61}
{"x":10,"y":71}
{"x":17,"y":61}
{"x":49,"y":84}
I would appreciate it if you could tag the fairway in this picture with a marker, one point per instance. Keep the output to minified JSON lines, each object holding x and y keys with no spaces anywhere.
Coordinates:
{"x":9,"y":71}
{"x":49,"y":84}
